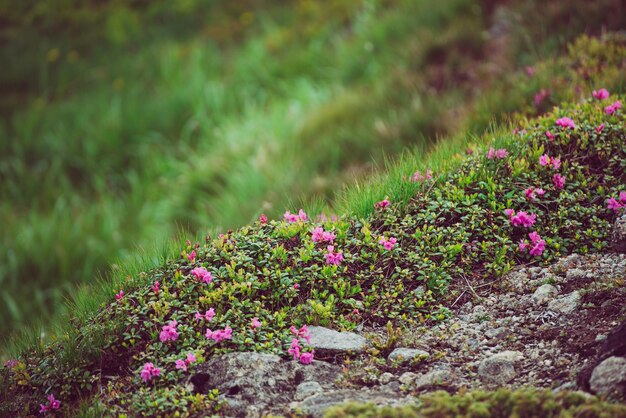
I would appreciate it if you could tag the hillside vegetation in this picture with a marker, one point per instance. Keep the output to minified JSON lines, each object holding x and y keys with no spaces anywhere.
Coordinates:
{"x":125,"y":123}
{"x":551,"y":187}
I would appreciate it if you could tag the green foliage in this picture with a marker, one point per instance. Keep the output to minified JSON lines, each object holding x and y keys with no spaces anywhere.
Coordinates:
{"x":503,"y":403}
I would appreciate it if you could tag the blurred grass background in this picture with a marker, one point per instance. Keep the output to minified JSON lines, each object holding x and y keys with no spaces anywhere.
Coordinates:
{"x":124,"y":123}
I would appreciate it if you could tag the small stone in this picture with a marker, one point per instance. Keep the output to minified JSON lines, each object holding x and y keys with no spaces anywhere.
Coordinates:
{"x":565,"y":304}
{"x":575,"y":274}
{"x":442,"y":376}
{"x":407,"y":378}
{"x":618,"y":238}
{"x":405,"y":355}
{"x":328,"y":341}
{"x":385,"y":378}
{"x":609,"y":377}
{"x":306,"y":389}
{"x":499,"y":368}
{"x":543,"y":293}
{"x":600,"y":337}
{"x":497,"y":333}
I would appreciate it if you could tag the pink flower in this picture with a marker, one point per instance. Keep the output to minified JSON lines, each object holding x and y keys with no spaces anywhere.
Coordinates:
{"x":388,"y":243}
{"x":550,"y":136}
{"x":303,"y":332}
{"x":418,"y":177}
{"x":182,"y":364}
{"x":530,"y":70}
{"x":262,"y":219}
{"x":149,"y":371}
{"x":566,"y":122}
{"x":208,"y":315}
{"x":120,"y":295}
{"x":296,"y":286}
{"x":191,"y":256}
{"x":499,"y":154}
{"x":291,"y":218}
{"x":294,"y":350}
{"x":614,"y":204}
{"x":156,"y":287}
{"x":538,"y":244}
{"x":541,"y":96}
{"x":52,"y":404}
{"x":600,"y":94}
{"x":509,"y":212}
{"x":307,"y":358}
{"x":521,"y":218}
{"x":43,"y":408}
{"x":530,"y":193}
{"x":169,"y":332}
{"x":333,"y":257}
{"x":540,"y":192}
{"x":559,"y":181}
{"x":256,"y":323}
{"x":220,"y":334}
{"x":203,"y":274}
{"x":610,"y":109}
{"x":545,"y":160}
{"x":10,"y":364}
{"x":319,"y":235}
{"x":382,"y":204}
{"x":191,"y":358}
{"x":599,"y":128}
{"x":522,"y":245}
{"x":622,"y":197}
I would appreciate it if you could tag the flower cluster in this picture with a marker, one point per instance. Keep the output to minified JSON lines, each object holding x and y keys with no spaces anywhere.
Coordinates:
{"x":182,"y":364}
{"x":497,"y":153}
{"x":220,"y":334}
{"x":550,"y":136}
{"x":617,"y":204}
{"x":566,"y":122}
{"x":537,"y":245}
{"x":599,"y":128}
{"x":559,"y":181}
{"x":52,"y":405}
{"x":382,"y":204}
{"x":545,"y":160}
{"x":263,"y":219}
{"x":156,"y":287}
{"x":333,"y":257}
{"x":418,"y":177}
{"x":388,"y":243}
{"x":169,"y":332}
{"x":120,"y":295}
{"x":296,"y":350}
{"x":600,"y":94}
{"x":612,"y":108}
{"x":256,"y":323}
{"x":149,"y":371}
{"x":540,"y":96}
{"x":319,"y":235}
{"x":201,"y":273}
{"x":292,"y":217}
{"x":531,"y":193}
{"x":208,"y":315}
{"x":521,"y":218}
{"x":191,"y":256}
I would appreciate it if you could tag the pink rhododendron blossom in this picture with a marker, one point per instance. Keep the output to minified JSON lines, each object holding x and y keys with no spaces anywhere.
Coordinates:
{"x":182,"y":364}
{"x":418,"y":177}
{"x":256,"y":323}
{"x":292,"y":217}
{"x":530,"y":70}
{"x":53,"y":404}
{"x":296,"y":286}
{"x":191,"y":256}
{"x":566,"y":122}
{"x":387,"y":243}
{"x":303,"y":332}
{"x":307,"y":358}
{"x":497,"y":153}
{"x":536,"y":245}
{"x":169,"y":332}
{"x":262,"y":219}
{"x":622,"y":197}
{"x":610,"y":109}
{"x":202,"y":274}
{"x":559,"y":181}
{"x":382,"y":204}
{"x":149,"y":371}
{"x":599,"y":128}
{"x":156,"y":287}
{"x":540,"y":96}
{"x":550,"y":136}
{"x":522,"y":245}
{"x":600,"y":94}
{"x":521,"y":218}
{"x":120,"y":295}
{"x":319,"y":235}
{"x":220,"y":334}
{"x":302,"y":215}
{"x":616,"y":204}
{"x":332,"y":257}
{"x":545,"y":160}
{"x":295,"y":348}
{"x":208,"y":315}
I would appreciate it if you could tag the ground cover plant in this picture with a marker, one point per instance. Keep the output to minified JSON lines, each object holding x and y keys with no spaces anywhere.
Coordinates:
{"x":192,"y":116}
{"x":553,"y":186}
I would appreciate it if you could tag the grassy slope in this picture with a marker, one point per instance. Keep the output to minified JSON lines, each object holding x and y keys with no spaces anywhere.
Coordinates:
{"x":303,"y":100}
{"x":256,"y":267}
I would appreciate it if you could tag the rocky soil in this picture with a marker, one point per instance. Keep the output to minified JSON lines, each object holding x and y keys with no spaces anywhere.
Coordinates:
{"x":560,"y":327}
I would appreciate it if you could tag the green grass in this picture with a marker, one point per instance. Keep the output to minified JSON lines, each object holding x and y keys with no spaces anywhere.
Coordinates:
{"x":203,"y":124}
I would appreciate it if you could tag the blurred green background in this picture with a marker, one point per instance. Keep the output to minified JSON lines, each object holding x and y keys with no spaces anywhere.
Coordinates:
{"x":124,"y":123}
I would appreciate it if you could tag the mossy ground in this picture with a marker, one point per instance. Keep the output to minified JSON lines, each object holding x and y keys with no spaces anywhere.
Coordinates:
{"x":449,"y":227}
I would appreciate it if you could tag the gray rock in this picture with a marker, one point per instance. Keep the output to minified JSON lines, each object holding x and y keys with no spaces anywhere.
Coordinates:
{"x":328,"y":341}
{"x":498,"y":333}
{"x":407,"y":378}
{"x":565,"y":304}
{"x":543,"y":293}
{"x":306,"y":389}
{"x":316,"y":406}
{"x":575,"y":274}
{"x":499,"y":368}
{"x":618,"y":238}
{"x":405,"y":355}
{"x":442,"y":376}
{"x":385,"y":378}
{"x":609,"y":378}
